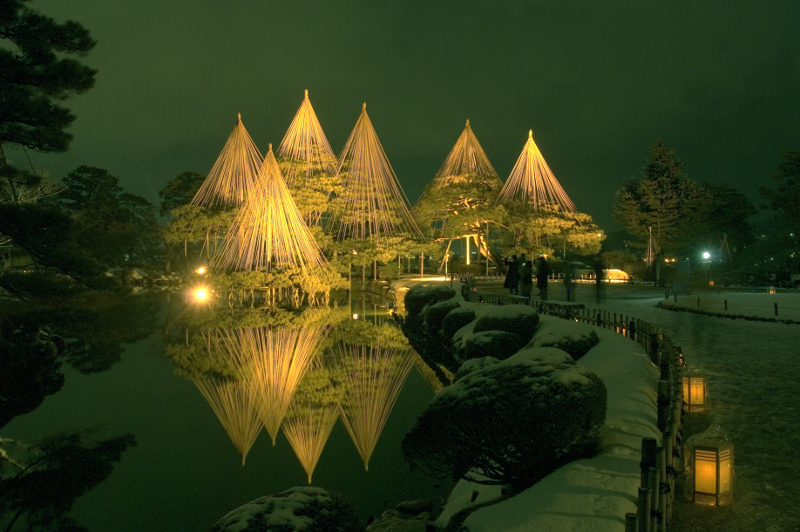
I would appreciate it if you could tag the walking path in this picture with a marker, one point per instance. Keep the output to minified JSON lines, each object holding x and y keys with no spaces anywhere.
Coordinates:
{"x":752,"y":370}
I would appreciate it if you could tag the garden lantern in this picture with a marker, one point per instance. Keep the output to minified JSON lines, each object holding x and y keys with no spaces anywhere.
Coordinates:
{"x":710,"y":468}
{"x":694,"y":392}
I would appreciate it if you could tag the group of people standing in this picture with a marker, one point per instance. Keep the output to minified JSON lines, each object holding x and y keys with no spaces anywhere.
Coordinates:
{"x":520,"y":272}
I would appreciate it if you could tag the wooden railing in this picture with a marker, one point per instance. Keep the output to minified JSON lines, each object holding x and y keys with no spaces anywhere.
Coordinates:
{"x":660,"y":464}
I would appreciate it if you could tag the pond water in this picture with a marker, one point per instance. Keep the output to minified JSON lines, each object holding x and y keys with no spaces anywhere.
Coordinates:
{"x":184,"y":471}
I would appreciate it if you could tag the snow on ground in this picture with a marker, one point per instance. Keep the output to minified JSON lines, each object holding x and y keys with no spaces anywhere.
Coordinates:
{"x":591,"y":494}
{"x":752,"y":370}
{"x":762,"y":305}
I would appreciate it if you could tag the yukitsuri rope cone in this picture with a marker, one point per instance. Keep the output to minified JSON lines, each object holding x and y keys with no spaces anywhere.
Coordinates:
{"x":461,"y":193}
{"x":230,"y":399}
{"x":311,"y":416}
{"x":373,"y":203}
{"x":231,"y":402}
{"x":233,"y":174}
{"x":268,"y":231}
{"x":275,"y":360}
{"x":533,"y":185}
{"x":308,"y":163}
{"x":373,"y":375}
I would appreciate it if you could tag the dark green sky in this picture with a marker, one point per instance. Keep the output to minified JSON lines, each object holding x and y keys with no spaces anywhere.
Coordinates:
{"x":598,"y":81}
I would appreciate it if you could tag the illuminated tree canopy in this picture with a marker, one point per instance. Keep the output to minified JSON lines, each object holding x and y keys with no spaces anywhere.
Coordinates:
{"x":461,"y":196}
{"x":540,"y":214}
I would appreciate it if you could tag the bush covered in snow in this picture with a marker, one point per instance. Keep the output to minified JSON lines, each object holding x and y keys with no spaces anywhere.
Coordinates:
{"x":456,"y":319}
{"x":420,"y":296}
{"x":518,"y":319}
{"x":510,"y":423}
{"x":304,"y":508}
{"x":574,"y":338}
{"x":497,"y":344}
{"x":474,"y":364}
{"x":436,"y":313}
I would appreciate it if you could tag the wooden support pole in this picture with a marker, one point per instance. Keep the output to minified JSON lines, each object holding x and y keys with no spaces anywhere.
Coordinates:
{"x":631,"y":524}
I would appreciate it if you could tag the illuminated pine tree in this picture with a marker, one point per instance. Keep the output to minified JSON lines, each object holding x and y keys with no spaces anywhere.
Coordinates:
{"x":459,"y":202}
{"x":233,"y":174}
{"x":540,"y":214}
{"x":309,"y":165}
{"x":373,"y":204}
{"x":268,"y":232}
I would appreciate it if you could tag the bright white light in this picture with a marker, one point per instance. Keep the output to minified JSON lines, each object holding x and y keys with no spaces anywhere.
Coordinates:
{"x":201,"y":294}
{"x":706,"y":255}
{"x":201,"y":270}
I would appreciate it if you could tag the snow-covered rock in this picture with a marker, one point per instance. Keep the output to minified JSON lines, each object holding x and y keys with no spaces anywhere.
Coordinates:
{"x":308,"y":509}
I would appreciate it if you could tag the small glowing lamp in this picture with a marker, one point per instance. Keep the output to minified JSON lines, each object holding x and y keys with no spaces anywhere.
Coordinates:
{"x":355,"y":316}
{"x":201,"y":295}
{"x":201,"y":270}
{"x":706,"y":255}
{"x":771,"y":289}
{"x":694,"y":391}
{"x":709,"y":464}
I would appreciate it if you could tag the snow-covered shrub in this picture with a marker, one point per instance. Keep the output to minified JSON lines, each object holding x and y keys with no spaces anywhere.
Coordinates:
{"x":456,"y":319}
{"x":518,"y":319}
{"x":436,"y":314}
{"x":474,"y":364}
{"x":510,"y":423}
{"x":497,"y":344}
{"x":574,"y":338}
{"x":303,"y":508}
{"x":420,"y":296}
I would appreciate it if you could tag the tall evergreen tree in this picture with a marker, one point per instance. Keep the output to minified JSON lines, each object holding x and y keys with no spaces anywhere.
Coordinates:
{"x":784,"y":200}
{"x":38,"y":71}
{"x":663,"y":202}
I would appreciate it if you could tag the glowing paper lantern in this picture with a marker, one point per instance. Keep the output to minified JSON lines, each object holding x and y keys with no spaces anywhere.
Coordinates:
{"x":694,"y":392}
{"x":710,"y":468}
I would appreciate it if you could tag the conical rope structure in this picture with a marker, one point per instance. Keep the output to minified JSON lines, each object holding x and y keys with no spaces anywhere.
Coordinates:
{"x":461,"y":196}
{"x":233,"y":174}
{"x":230,"y":398}
{"x":467,"y":158}
{"x":308,"y":163}
{"x":276,"y":360}
{"x":374,"y":205}
{"x":311,"y":416}
{"x":374,"y":375}
{"x":268,"y":231}
{"x":533,"y":185}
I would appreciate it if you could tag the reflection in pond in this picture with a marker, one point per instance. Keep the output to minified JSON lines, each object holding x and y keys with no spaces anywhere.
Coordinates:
{"x":312,"y":415}
{"x":42,"y":476}
{"x":371,"y":367}
{"x":298,"y":371}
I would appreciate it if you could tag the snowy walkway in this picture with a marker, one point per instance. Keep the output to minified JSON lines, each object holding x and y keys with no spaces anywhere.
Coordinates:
{"x":752,"y":370}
